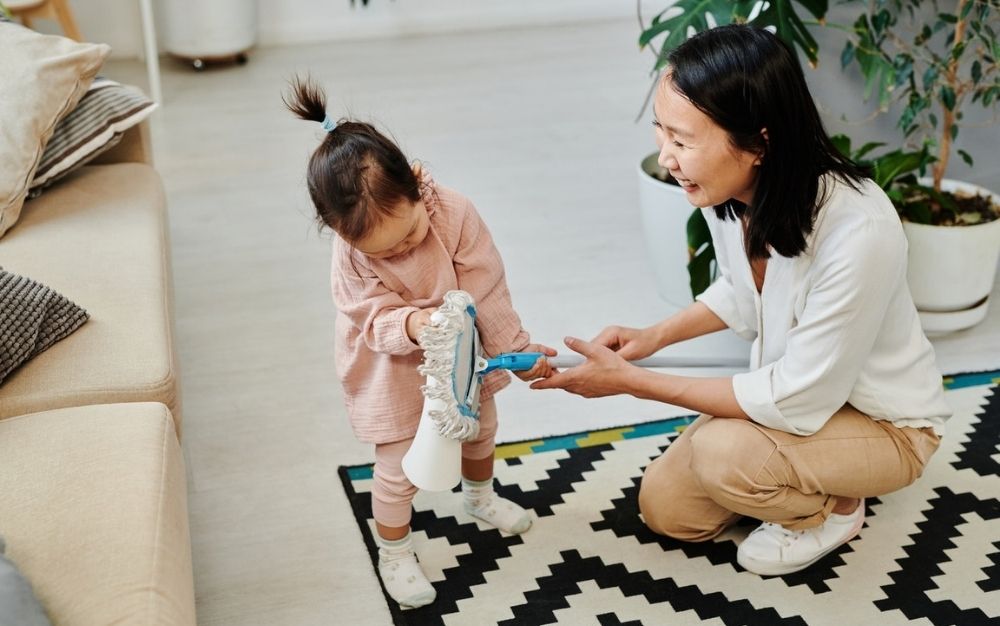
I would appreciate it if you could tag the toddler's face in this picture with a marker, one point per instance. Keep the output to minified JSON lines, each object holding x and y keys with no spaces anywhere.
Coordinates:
{"x":397,"y":234}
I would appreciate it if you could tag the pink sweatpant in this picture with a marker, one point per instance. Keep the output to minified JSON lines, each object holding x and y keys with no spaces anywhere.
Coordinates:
{"x":392,"y":492}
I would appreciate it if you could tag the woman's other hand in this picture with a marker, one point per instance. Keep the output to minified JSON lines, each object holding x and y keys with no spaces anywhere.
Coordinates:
{"x":604,"y":373}
{"x":542,"y":368}
{"x":630,"y":343}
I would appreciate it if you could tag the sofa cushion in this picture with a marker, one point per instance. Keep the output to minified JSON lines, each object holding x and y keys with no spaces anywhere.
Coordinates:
{"x":94,"y":510}
{"x":96,"y":124}
{"x":101,"y":238}
{"x":34,"y":317}
{"x":43,"y":77}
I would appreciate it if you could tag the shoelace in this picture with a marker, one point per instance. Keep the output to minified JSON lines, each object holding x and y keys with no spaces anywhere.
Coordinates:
{"x":783,"y":535}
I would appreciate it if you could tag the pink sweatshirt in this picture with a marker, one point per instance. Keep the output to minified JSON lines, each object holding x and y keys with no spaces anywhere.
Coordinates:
{"x":376,"y":361}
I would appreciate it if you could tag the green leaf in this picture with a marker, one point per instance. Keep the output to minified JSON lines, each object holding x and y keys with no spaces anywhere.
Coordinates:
{"x":781,"y":15}
{"x":948,"y":17}
{"x":892,"y":165}
{"x":880,"y":20}
{"x":868,"y":147}
{"x":948,"y":97}
{"x":967,"y":9}
{"x":847,"y":55}
{"x":977,"y":72}
{"x":700,"y":271}
{"x":933,"y":119}
{"x":698,"y":233}
{"x":842,"y":143}
{"x":930,"y":76}
{"x":954,"y":131}
{"x":702,"y":252}
{"x":965,"y":157}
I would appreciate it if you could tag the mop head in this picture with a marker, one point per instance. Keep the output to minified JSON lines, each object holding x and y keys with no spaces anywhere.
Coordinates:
{"x":451,"y":353}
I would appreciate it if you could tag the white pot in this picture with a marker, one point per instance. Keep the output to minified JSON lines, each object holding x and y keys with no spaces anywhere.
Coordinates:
{"x":208,"y":29}
{"x":664,"y":211}
{"x":952,"y":268}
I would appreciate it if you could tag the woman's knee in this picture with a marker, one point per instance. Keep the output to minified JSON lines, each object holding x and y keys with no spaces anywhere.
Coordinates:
{"x":727,"y":456}
{"x":663,"y":511}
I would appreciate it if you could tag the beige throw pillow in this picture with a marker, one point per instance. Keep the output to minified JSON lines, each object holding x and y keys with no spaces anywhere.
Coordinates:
{"x":42,"y":77}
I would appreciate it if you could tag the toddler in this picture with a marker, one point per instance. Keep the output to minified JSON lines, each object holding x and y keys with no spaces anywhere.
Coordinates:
{"x":403,"y":242}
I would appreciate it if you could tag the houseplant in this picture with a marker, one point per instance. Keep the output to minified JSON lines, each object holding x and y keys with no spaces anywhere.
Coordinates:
{"x":677,"y":238}
{"x":930,"y":66}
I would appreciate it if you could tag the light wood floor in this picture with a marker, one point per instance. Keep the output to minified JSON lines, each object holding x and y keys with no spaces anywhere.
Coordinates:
{"x":535,"y":125}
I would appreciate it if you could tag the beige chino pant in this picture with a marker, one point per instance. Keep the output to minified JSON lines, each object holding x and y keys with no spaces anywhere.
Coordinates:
{"x":720,"y":469}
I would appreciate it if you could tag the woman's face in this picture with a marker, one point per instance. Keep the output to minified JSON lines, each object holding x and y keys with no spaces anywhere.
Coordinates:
{"x":698,"y":153}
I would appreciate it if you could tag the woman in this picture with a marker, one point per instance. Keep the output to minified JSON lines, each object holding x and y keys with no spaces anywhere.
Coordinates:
{"x":843,"y":400}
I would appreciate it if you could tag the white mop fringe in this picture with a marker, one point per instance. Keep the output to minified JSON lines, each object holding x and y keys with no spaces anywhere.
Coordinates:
{"x":438,"y":339}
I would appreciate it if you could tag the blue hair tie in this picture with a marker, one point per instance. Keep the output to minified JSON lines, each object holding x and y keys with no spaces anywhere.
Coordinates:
{"x":328,"y":124}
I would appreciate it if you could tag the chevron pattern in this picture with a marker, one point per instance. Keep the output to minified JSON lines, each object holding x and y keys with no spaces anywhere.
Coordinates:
{"x":929,"y":553}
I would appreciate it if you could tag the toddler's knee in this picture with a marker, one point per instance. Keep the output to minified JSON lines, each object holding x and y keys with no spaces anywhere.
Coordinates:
{"x":392,"y":490}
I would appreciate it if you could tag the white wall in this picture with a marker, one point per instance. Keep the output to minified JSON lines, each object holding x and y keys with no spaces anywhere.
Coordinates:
{"x":281,"y":22}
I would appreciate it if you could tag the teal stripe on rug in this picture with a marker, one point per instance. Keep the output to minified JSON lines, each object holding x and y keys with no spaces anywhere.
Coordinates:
{"x":971,"y":380}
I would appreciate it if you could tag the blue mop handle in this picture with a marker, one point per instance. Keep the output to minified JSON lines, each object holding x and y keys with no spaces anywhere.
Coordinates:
{"x":513,"y":361}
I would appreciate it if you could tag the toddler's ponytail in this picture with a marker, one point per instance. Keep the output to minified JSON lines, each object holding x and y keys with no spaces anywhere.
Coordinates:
{"x":306,"y":100}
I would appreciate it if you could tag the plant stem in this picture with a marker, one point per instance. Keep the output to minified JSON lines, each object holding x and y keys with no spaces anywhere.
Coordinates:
{"x":949,"y":114}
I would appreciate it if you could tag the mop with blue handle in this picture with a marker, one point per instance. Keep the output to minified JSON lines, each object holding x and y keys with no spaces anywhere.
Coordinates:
{"x":454,"y":366}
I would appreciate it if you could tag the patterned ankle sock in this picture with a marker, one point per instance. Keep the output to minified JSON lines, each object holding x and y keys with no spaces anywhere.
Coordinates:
{"x":401,"y":573}
{"x":482,"y":502}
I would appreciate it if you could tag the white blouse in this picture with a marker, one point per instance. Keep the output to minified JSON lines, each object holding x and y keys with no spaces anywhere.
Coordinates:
{"x":834,"y":325}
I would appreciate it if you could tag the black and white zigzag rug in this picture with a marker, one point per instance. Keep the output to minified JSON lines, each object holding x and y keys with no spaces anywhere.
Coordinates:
{"x":929,"y":554}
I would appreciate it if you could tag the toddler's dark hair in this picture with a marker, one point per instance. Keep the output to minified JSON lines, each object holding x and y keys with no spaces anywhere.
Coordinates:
{"x":357,"y":176}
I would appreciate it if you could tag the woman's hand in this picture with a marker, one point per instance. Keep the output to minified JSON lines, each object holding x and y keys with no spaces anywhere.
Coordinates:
{"x":630,"y":343}
{"x":604,"y":373}
{"x":542,"y":368}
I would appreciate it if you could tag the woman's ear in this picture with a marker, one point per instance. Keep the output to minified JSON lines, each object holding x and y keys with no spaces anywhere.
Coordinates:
{"x":760,"y":155}
{"x":418,"y":170}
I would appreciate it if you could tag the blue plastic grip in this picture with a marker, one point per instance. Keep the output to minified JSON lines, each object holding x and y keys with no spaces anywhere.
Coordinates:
{"x":514,"y":361}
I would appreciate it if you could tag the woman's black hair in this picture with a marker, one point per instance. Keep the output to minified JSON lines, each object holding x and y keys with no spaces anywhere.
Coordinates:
{"x":746,"y":80}
{"x":357,"y":176}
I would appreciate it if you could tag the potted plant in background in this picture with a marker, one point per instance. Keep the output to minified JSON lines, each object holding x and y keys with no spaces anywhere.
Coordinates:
{"x":933,"y":65}
{"x":677,"y":238}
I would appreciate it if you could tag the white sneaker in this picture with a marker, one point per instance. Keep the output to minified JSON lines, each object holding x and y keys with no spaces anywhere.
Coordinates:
{"x":772,"y":550}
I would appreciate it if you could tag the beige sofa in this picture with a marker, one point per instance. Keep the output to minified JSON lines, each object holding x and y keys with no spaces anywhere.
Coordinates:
{"x":93,"y":501}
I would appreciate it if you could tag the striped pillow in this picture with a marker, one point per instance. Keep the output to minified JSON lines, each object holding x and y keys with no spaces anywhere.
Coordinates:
{"x":97,"y":123}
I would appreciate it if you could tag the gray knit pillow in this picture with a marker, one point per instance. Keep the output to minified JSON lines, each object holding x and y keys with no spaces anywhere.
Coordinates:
{"x":32,"y":318}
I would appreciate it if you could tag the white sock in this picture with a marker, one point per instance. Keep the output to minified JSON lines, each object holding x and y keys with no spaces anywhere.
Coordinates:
{"x":401,"y":574}
{"x":482,"y":502}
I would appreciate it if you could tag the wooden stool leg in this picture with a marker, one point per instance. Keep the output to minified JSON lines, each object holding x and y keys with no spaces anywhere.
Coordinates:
{"x":66,"y":20}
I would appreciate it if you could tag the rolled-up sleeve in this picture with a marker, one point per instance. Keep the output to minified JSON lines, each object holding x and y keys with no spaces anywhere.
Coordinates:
{"x":378,"y":313}
{"x":857,"y":275}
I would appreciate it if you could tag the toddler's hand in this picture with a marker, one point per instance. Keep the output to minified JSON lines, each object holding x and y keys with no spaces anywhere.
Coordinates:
{"x":541,"y":369}
{"x":416,"y":321}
